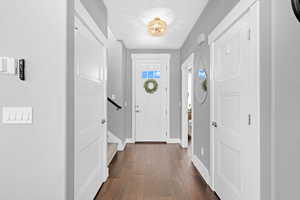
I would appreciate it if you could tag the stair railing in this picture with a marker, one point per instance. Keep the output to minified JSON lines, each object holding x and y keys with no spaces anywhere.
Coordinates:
{"x":118,"y":107}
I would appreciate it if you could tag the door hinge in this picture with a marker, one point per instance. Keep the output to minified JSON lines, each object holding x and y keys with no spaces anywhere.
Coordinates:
{"x":249,"y":119}
{"x":249,"y":34}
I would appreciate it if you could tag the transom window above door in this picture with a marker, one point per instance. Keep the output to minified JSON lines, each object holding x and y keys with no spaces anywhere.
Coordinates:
{"x":150,"y":74}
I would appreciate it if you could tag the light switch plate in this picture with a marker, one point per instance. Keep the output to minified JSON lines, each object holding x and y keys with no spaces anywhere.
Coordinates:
{"x":8,"y":65}
{"x":17,"y":115}
{"x":2,"y":65}
{"x":12,"y":66}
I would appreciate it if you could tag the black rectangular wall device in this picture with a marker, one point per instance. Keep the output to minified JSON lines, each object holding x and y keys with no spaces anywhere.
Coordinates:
{"x":22,"y":69}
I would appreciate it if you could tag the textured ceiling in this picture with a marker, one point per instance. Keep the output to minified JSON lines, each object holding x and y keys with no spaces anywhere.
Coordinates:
{"x":128,"y":21}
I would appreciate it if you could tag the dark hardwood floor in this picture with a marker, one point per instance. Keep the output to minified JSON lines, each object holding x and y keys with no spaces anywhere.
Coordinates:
{"x":154,"y":172}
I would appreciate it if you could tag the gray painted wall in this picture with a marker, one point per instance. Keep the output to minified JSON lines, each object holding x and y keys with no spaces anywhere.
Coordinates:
{"x":175,"y":91}
{"x":265,"y":98}
{"x":286,"y":84}
{"x":34,"y":157}
{"x":128,"y":95}
{"x":116,"y":64}
{"x":98,"y":11}
{"x":212,"y":15}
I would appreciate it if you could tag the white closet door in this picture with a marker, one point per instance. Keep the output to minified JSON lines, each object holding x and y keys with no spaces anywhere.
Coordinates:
{"x":90,"y":113}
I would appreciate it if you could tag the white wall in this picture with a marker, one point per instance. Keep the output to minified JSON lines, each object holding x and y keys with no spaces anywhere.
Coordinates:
{"x":34,"y":157}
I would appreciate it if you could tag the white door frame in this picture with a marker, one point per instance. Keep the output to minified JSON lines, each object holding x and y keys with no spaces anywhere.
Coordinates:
{"x":80,"y":13}
{"x":186,"y":66}
{"x":237,"y":12}
{"x":164,"y":58}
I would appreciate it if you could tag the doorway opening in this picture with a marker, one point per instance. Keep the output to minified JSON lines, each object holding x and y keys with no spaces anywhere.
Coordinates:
{"x":187,"y":104}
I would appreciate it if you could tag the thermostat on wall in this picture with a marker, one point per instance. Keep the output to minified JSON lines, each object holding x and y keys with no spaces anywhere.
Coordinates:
{"x":13,"y":66}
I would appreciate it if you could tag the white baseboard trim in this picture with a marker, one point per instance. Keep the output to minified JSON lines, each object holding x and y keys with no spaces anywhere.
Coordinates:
{"x":106,"y":174}
{"x":183,"y":146}
{"x":169,"y":141}
{"x":202,"y":169}
{"x":114,"y":139}
{"x":129,"y":141}
{"x":173,"y":141}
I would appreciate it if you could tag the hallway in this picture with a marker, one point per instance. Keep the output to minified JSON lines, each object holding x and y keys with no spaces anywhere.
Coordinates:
{"x":149,"y":100}
{"x":154,"y":172}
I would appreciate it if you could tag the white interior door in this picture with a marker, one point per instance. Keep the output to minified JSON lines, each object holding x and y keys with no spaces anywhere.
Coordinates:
{"x":90,"y":113}
{"x":151,"y":109}
{"x":235,"y":106}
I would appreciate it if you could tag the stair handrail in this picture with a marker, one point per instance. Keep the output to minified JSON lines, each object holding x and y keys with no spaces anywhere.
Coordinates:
{"x":114,"y":103}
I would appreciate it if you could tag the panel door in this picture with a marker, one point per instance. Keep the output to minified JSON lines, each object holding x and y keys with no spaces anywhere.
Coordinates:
{"x":90,"y":113}
{"x":150,"y":107}
{"x":231,"y":80}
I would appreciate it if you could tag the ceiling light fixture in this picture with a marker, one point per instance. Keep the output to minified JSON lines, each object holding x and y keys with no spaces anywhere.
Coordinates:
{"x":157,"y":27}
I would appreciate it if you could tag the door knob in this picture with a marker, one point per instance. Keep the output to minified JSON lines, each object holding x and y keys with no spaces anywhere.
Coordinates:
{"x":137,"y":111}
{"x":103,"y":121}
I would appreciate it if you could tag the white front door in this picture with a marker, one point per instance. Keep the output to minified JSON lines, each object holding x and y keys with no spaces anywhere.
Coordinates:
{"x":150,"y":107}
{"x":90,"y":113}
{"x":236,"y":143}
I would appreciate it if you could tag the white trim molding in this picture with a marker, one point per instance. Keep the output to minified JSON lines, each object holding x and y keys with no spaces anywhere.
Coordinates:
{"x":129,"y":141}
{"x":189,"y":62}
{"x":201,"y":169}
{"x":241,"y":7}
{"x":112,"y":138}
{"x":153,"y":56}
{"x":83,"y":14}
{"x":187,"y":65}
{"x":173,"y":141}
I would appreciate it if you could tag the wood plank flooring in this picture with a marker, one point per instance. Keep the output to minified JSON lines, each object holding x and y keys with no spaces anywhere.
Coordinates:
{"x":154,"y":172}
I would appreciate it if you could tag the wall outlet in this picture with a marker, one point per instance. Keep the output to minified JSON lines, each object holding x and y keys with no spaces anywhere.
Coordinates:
{"x":202,"y":151}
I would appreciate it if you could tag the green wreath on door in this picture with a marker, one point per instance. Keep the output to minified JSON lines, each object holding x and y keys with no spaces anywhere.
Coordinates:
{"x":148,"y":83}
